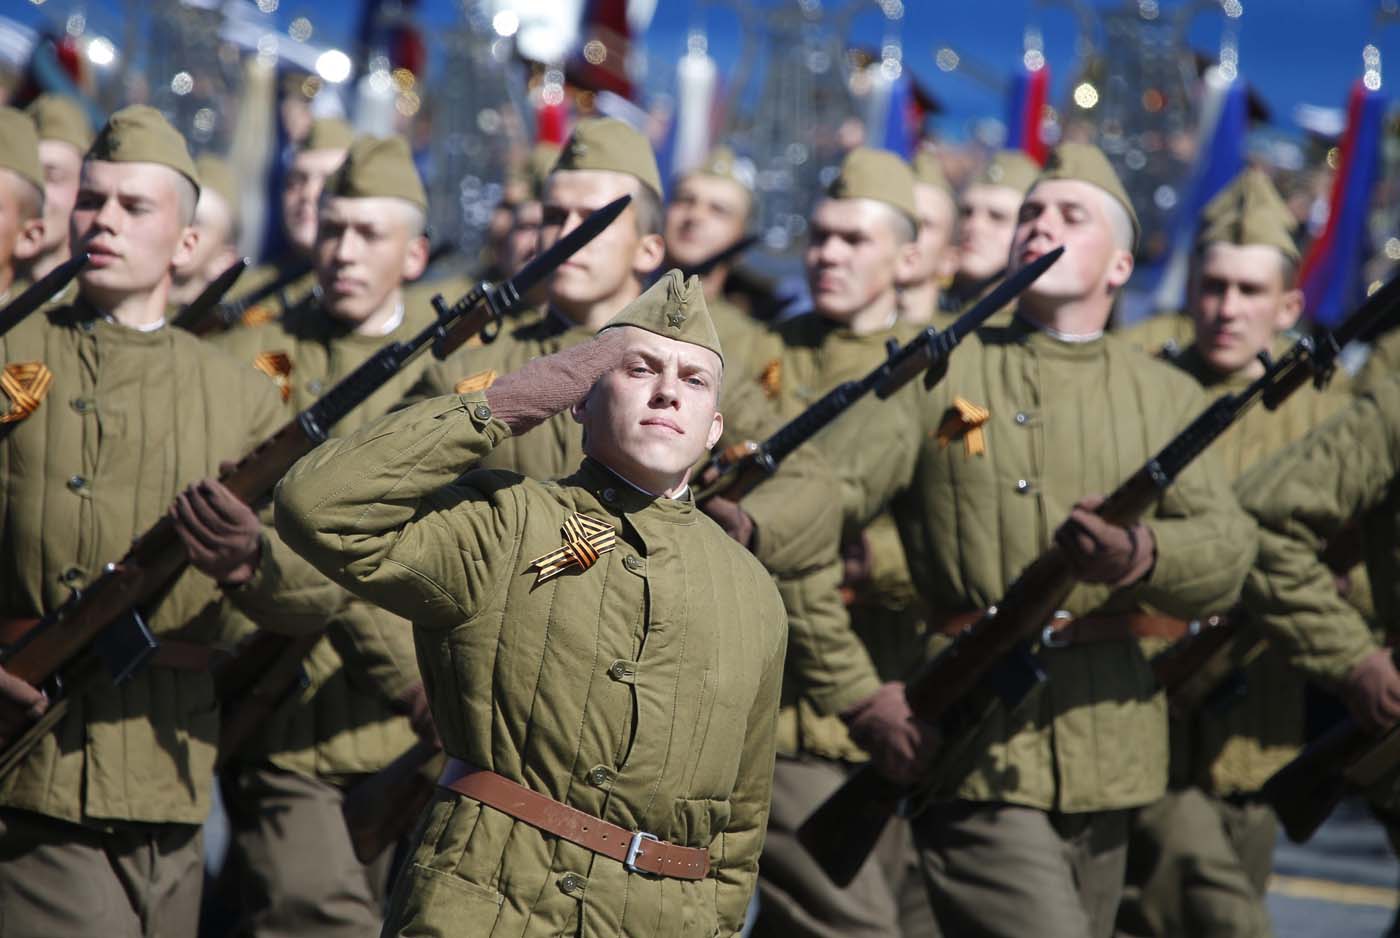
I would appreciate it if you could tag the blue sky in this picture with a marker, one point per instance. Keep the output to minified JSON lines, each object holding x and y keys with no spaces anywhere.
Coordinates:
{"x":1292,"y":51}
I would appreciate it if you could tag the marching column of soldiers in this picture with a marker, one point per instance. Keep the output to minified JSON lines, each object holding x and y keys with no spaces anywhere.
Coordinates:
{"x":512,"y":652}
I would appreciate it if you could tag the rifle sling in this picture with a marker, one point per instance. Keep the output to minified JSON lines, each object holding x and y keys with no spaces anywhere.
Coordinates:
{"x":177,"y":656}
{"x":637,"y":850}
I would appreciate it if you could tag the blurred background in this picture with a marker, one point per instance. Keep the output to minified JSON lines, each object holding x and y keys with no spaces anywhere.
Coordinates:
{"x":1179,"y":94}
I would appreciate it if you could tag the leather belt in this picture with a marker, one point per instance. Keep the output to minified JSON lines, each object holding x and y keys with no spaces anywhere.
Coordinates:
{"x":637,"y":850}
{"x":1064,"y":629}
{"x":177,"y":656}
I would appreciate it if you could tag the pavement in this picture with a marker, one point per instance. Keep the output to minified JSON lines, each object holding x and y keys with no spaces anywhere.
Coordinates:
{"x":1341,"y":884}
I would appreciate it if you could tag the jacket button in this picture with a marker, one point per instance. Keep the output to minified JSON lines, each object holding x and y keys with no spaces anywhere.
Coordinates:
{"x":609,"y":495}
{"x":598,"y":776}
{"x":82,"y":404}
{"x":77,"y":484}
{"x":71,"y":575}
{"x":571,"y":882}
{"x":482,"y":412}
{"x":632,"y":562}
{"x":314,"y":386}
{"x":1022,"y":417}
{"x":618,"y":670}
{"x":1022,"y":486}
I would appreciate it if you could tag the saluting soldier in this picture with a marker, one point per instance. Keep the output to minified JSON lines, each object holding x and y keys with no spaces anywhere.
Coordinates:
{"x":602,"y":660}
{"x":21,"y":201}
{"x":316,"y":157}
{"x":987,"y":214}
{"x":710,"y":209}
{"x":64,"y":136}
{"x":862,"y":238}
{"x":1025,"y":832}
{"x":216,"y":217}
{"x":1200,"y":858}
{"x":296,"y":866}
{"x":921,"y":289}
{"x":101,"y":822}
{"x":792,"y":523}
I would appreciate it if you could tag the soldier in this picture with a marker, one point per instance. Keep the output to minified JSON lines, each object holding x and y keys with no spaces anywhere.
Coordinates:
{"x":64,"y":136}
{"x":862,"y":239}
{"x":1024,"y":831}
{"x":318,"y":155}
{"x":21,"y":200}
{"x":987,"y":214}
{"x":285,"y":788}
{"x":522,"y":243}
{"x":216,"y":217}
{"x":104,"y":814}
{"x":602,"y":660}
{"x":1200,"y":858}
{"x":710,"y":208}
{"x":921,"y":290}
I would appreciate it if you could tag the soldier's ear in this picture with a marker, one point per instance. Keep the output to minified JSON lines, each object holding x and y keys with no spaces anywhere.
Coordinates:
{"x":1290,"y":309}
{"x":716,"y":431}
{"x":415,"y":258}
{"x":650,"y":252}
{"x":29,"y":240}
{"x":1120,"y":268}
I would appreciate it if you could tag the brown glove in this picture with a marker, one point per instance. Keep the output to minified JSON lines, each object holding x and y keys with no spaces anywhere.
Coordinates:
{"x":1102,"y":552}
{"x":414,"y":704}
{"x":528,"y":397}
{"x":221,"y":534}
{"x":1372,"y":691}
{"x":21,"y":703}
{"x":901,"y":746}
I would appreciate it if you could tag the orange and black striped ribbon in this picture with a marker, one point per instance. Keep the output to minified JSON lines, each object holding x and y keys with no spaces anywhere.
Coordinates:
{"x":585,"y":540}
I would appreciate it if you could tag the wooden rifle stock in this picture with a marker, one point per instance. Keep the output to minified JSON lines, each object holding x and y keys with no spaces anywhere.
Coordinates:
{"x":384,"y":807}
{"x":949,"y":691}
{"x":1305,"y":791}
{"x":263,"y":672}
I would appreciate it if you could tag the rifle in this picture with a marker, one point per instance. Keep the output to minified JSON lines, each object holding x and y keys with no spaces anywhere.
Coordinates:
{"x":994,"y":652}
{"x":40,"y":292}
{"x":209,"y":297}
{"x":739,"y":468}
{"x":103,"y":621}
{"x":218,"y":318}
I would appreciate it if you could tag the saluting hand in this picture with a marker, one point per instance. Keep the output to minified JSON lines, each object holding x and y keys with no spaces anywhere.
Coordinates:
{"x":221,"y":534}
{"x":1103,"y":552}
{"x":21,"y":703}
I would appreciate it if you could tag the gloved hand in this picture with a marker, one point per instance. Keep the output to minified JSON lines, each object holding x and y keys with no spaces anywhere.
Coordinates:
{"x":221,"y":534}
{"x":1372,"y":691}
{"x":414,"y":703}
{"x":901,"y":746}
{"x":1102,"y":552}
{"x":21,"y":703}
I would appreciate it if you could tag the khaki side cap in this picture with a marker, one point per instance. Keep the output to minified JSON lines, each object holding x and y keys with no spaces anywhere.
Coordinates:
{"x":1086,"y":163}
{"x":141,"y":134}
{"x":1249,"y":211}
{"x":19,"y":147}
{"x":608,"y":144}
{"x":59,"y":117}
{"x":867,"y":173}
{"x":378,"y":167}
{"x":675,"y":308}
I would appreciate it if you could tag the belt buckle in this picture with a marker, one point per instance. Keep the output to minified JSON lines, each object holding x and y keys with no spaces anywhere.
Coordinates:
{"x":1050,"y":635}
{"x":634,"y":850}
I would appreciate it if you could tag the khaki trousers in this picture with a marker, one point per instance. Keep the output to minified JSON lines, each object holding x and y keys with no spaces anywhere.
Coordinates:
{"x":297,"y":870}
{"x":1199,"y":866}
{"x":797,"y":899}
{"x":1006,"y":871}
{"x":57,"y":878}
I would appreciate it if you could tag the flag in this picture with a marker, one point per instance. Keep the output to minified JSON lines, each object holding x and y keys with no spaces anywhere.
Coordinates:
{"x":1331,"y":274}
{"x":1025,"y":110}
{"x":1219,"y":159}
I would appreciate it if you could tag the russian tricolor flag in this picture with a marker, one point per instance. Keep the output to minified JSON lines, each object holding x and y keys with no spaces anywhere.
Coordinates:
{"x":1025,"y":110}
{"x":1330,"y":275}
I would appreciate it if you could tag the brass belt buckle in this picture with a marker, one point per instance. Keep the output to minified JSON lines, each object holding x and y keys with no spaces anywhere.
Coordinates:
{"x":634,"y":849}
{"x":1050,"y":635}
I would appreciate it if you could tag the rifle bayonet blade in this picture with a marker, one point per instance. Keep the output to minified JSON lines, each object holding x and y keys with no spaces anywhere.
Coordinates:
{"x":1013,"y":286}
{"x":545,"y":264}
{"x":39,"y":293}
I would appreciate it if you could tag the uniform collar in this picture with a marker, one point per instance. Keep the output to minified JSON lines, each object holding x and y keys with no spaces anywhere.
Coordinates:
{"x":621,"y":497}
